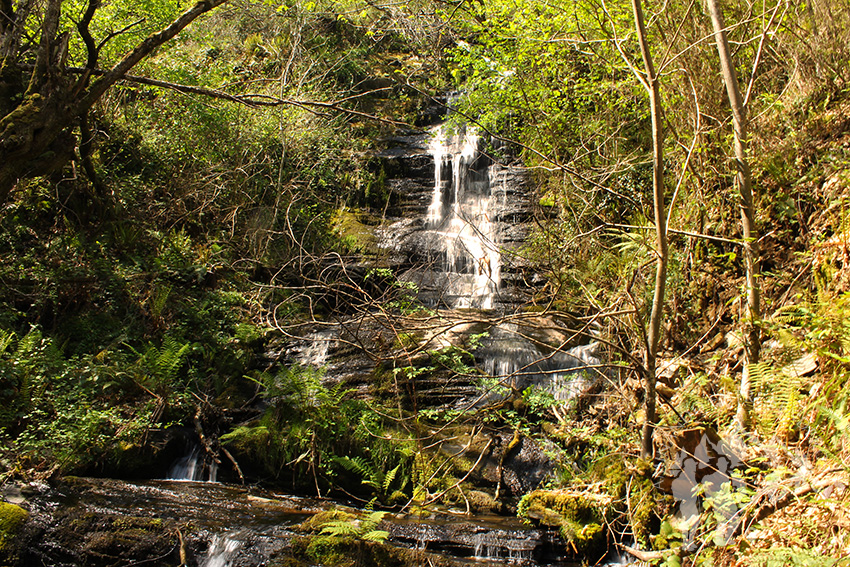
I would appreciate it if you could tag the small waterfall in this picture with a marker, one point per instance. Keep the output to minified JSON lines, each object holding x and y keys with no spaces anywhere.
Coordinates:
{"x":193,"y":467}
{"x":462,"y":217}
{"x":223,"y":549}
{"x":485,"y":546}
{"x":518,"y":362}
{"x":313,"y":351}
{"x":503,"y":545}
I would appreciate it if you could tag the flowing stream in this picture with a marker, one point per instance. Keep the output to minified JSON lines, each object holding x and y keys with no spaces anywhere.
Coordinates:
{"x":235,"y":526}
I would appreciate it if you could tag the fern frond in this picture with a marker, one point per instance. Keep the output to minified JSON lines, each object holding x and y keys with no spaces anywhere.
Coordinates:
{"x":372,"y":520}
{"x":341,"y":529}
{"x":388,"y":479}
{"x":397,"y":496}
{"x":356,"y":465}
{"x":379,"y":536}
{"x":6,"y":339}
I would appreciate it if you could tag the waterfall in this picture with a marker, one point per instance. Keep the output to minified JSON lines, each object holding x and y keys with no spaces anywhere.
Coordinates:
{"x":517,"y":362}
{"x":462,"y":218}
{"x":314,"y":349}
{"x":503,"y":545}
{"x":222,"y":551}
{"x":465,"y":240}
{"x":193,"y":467}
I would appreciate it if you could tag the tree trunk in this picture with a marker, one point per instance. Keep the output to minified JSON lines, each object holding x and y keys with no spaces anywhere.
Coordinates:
{"x":654,"y":330}
{"x":36,"y":133}
{"x":750,"y":325}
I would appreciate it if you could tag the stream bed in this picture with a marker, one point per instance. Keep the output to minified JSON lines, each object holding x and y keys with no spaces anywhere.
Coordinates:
{"x":88,"y":521}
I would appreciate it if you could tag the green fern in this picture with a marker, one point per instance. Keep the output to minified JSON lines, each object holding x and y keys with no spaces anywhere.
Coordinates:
{"x":158,"y":298}
{"x":388,"y":479}
{"x":389,"y":487}
{"x":362,"y":528}
{"x":779,"y":402}
{"x":790,"y":557}
{"x":162,"y":365}
{"x":341,"y":528}
{"x":6,"y":339}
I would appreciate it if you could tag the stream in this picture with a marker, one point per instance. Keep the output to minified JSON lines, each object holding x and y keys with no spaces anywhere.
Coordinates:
{"x":228,"y":525}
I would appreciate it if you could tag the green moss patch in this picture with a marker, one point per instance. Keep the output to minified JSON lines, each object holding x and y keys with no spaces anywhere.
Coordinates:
{"x":11,"y":519}
{"x":578,"y":516}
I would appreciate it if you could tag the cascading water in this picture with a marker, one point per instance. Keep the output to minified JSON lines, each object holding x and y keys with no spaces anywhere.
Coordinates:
{"x":462,"y":218}
{"x":223,"y":549}
{"x":518,"y":361}
{"x":464,"y":228}
{"x":193,"y":467}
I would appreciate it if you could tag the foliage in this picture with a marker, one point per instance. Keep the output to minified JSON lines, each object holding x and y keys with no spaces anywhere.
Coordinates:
{"x":62,"y":409}
{"x":363,"y":528}
{"x":388,"y":487}
{"x":312,"y":433}
{"x":791,"y":557}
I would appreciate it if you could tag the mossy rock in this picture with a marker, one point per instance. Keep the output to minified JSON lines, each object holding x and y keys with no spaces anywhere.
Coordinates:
{"x":578,"y":516}
{"x":346,"y":552}
{"x":12,"y":517}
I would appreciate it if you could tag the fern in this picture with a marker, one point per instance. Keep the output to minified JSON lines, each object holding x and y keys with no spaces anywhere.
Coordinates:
{"x":341,"y":528}
{"x":387,"y":486}
{"x":158,"y":298}
{"x":388,"y":479}
{"x":778,"y":399}
{"x":164,"y":363}
{"x":356,"y":465}
{"x":790,"y":557}
{"x":361,"y":528}
{"x":6,"y":339}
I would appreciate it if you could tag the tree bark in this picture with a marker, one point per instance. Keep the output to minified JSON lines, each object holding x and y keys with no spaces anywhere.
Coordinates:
{"x":750,"y":328}
{"x":654,"y":331}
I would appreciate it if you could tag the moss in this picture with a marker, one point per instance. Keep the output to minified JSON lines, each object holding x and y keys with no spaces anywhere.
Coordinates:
{"x":339,"y":552}
{"x":615,"y":476}
{"x":250,"y":439}
{"x":11,"y":519}
{"x":352,"y":232}
{"x":577,"y":516}
{"x":482,"y":502}
{"x":643,"y":506}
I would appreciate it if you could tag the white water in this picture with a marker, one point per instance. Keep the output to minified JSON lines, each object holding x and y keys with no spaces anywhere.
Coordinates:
{"x":222,"y":551}
{"x":192,"y":467}
{"x":517,"y":362}
{"x":493,"y":546}
{"x":462,"y":216}
{"x":314,"y":349}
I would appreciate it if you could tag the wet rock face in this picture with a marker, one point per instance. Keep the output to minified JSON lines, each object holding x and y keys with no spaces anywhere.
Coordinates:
{"x":60,"y":534}
{"x":428,"y":181}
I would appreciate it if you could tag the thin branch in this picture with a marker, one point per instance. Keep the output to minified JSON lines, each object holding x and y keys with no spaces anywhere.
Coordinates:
{"x":141,"y":51}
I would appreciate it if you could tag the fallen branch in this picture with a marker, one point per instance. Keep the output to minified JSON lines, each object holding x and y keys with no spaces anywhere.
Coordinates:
{"x":233,"y":461}
{"x":777,"y":503}
{"x":648,"y":556}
